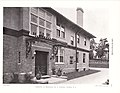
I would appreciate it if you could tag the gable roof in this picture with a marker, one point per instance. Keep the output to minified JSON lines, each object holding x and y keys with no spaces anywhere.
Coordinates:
{"x":77,"y":27}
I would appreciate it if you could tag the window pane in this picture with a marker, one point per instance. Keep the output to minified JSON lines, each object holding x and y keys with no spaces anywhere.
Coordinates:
{"x":41,"y":31}
{"x":62,"y":29}
{"x":85,"y":41}
{"x":71,"y":59}
{"x":56,"y":59}
{"x":63,"y":34}
{"x":41,"y":22}
{"x":34,"y":10}
{"x":41,"y":13}
{"x":49,"y":16}
{"x":58,"y":32}
{"x":83,"y":57}
{"x":33,"y":29}
{"x":34,"y":18}
{"x":61,"y":58}
{"x":48,"y":33}
{"x":72,"y":40}
{"x":78,"y":38}
{"x":48,"y":25}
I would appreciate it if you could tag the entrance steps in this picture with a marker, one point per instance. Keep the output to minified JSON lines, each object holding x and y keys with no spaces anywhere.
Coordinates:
{"x":50,"y":79}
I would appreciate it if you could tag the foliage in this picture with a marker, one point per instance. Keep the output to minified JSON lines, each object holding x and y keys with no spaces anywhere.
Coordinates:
{"x":100,"y":49}
{"x":59,"y":72}
{"x":15,"y":78}
{"x":53,"y":71}
{"x":28,"y":78}
{"x":38,"y":76}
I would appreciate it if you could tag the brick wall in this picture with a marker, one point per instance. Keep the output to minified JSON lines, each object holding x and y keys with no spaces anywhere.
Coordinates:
{"x":10,"y":54}
{"x":67,"y":67}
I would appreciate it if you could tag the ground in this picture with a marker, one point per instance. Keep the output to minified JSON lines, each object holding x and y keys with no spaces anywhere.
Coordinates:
{"x":95,"y":78}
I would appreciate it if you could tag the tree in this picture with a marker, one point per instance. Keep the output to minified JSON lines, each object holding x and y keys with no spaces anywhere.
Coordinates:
{"x":101,"y":48}
{"x":92,"y":48}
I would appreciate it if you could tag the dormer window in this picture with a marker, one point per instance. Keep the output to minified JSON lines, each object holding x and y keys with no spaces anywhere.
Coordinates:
{"x":60,"y":31}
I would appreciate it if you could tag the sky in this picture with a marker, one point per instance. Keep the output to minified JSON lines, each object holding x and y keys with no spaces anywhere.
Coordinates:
{"x":95,"y":20}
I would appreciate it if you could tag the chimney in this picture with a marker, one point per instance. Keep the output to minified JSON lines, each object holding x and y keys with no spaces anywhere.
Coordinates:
{"x":80,"y":16}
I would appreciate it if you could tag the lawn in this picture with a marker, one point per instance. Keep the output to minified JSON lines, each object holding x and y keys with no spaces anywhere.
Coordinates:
{"x":76,"y":74}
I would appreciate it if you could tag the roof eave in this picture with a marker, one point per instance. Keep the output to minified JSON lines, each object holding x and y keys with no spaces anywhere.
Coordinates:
{"x":89,"y":34}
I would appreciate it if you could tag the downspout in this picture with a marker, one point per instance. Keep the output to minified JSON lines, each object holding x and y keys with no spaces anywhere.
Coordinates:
{"x":76,"y":51}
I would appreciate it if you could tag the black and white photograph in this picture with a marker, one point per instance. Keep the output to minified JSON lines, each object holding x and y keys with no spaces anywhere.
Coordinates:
{"x":42,"y":46}
{"x":59,"y":45}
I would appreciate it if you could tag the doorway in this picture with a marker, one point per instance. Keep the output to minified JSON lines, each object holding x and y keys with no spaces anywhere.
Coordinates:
{"x":41,"y":62}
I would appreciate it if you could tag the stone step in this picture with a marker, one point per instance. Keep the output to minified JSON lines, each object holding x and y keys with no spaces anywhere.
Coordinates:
{"x":54,"y":80}
{"x":50,"y":80}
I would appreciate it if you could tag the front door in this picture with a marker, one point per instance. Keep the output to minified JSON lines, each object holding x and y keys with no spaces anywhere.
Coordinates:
{"x":41,"y":62}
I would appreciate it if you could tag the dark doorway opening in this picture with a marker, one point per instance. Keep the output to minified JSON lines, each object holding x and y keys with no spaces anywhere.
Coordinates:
{"x":41,"y":62}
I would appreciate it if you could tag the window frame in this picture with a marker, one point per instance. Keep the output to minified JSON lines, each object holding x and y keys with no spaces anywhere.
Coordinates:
{"x":59,"y":55}
{"x":71,"y":59}
{"x":84,"y":57}
{"x":61,"y":30}
{"x":38,"y":20}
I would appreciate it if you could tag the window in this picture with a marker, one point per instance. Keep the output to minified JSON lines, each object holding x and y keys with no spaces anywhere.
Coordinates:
{"x":72,"y":40}
{"x":71,"y":59}
{"x":83,"y":57}
{"x":56,"y":59}
{"x":33,"y":29}
{"x":78,"y":38}
{"x":60,"y":31}
{"x":60,"y":55}
{"x":41,"y":31}
{"x":40,"y":22}
{"x":33,"y":18}
{"x":85,"y":41}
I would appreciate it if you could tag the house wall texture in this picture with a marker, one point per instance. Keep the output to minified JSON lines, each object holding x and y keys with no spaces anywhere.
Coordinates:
{"x":11,"y":18}
{"x":10,"y":55}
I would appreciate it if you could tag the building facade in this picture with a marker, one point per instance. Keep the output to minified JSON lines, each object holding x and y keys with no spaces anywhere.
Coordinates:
{"x":42,"y":39}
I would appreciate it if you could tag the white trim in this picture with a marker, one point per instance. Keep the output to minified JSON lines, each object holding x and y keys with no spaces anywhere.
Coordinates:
{"x":40,"y":47}
{"x":58,"y":63}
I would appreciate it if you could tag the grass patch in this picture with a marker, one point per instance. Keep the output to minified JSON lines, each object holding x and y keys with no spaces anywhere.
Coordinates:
{"x":73,"y":75}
